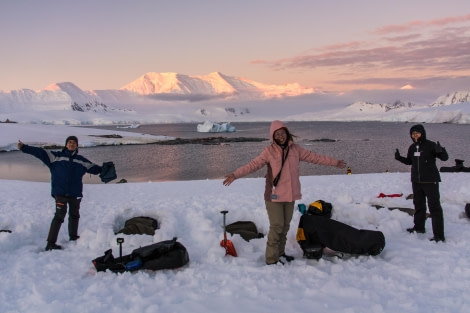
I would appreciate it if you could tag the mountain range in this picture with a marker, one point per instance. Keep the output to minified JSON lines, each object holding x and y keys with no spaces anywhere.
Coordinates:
{"x":173,"y":97}
{"x":149,"y":88}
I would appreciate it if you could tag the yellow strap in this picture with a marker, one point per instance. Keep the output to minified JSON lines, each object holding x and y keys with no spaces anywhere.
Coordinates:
{"x":300,"y":234}
{"x":317,"y":204}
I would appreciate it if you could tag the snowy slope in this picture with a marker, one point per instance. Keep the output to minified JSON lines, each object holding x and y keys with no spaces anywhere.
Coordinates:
{"x":455,"y":97}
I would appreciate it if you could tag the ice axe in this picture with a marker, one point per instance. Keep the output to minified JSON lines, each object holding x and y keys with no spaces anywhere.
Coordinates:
{"x":227,"y":244}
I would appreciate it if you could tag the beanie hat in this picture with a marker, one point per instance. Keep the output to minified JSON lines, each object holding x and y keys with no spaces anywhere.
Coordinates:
{"x":74,"y":138}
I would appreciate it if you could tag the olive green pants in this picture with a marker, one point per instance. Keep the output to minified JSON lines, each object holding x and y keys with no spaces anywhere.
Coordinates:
{"x":280,"y":216}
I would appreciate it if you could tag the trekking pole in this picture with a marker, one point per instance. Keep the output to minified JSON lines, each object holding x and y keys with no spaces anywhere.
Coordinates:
{"x":120,"y":241}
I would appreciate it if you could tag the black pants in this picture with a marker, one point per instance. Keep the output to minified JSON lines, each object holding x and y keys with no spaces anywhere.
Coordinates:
{"x":421,"y":191}
{"x":60,"y":212}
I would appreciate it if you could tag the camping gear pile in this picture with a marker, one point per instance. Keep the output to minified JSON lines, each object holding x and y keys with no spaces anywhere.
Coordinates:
{"x":168,"y":254}
{"x":317,"y":231}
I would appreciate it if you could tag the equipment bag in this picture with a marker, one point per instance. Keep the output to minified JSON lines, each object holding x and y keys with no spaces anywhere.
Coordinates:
{"x":314,"y":229}
{"x":246,"y":229}
{"x":467,"y":210}
{"x":168,"y":254}
{"x":319,"y":207}
{"x":140,"y":225}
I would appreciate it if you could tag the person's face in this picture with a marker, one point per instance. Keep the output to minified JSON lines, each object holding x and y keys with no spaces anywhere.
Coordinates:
{"x":71,"y":145}
{"x":415,"y":136}
{"x":280,"y":136}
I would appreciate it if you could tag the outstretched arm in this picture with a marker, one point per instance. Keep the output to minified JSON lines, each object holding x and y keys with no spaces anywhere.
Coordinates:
{"x":229,"y":178}
{"x":39,"y":153}
{"x":340,"y":164}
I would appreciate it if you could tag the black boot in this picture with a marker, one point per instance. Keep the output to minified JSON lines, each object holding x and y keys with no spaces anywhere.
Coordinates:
{"x":288,"y":258}
{"x":414,"y":230}
{"x":52,"y":246}
{"x":437,"y":239}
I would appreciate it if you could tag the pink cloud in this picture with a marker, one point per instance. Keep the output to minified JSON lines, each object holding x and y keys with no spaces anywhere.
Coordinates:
{"x":442,"y":52}
{"x":417,"y":24}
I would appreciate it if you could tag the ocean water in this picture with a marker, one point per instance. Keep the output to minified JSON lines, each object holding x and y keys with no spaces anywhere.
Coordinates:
{"x":367,"y":147}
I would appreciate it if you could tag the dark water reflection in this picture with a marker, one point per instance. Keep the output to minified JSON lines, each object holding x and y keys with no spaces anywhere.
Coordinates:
{"x":367,"y":147}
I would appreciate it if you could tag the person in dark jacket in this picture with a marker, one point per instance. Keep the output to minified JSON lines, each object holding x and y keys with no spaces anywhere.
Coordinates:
{"x":67,"y":169}
{"x":425,"y":180}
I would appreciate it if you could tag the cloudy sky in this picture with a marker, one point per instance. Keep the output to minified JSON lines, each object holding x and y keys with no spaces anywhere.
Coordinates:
{"x":335,"y":45}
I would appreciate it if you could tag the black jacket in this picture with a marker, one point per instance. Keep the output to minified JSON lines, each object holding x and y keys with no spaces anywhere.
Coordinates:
{"x":422,"y":158}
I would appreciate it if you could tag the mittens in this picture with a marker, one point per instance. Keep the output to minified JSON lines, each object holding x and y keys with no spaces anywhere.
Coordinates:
{"x":108,"y":172}
{"x":397,"y":154}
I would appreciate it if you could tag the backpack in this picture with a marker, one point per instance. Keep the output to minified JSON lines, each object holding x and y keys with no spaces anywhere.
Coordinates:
{"x":319,"y":207}
{"x":140,"y":225}
{"x":314,"y":230}
{"x":168,"y":254}
{"x":246,"y":229}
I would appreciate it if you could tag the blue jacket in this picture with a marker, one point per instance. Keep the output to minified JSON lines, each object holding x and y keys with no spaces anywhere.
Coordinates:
{"x":67,"y":169}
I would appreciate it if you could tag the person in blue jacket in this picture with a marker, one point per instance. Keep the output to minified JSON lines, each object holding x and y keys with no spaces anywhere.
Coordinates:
{"x":425,"y":180}
{"x":67,"y":169}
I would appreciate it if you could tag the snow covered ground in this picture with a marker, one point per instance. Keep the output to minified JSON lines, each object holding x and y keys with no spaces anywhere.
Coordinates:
{"x":39,"y":134}
{"x":412,"y":274}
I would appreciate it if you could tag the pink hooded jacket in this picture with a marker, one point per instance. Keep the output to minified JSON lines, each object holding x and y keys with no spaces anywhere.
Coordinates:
{"x":288,"y":187}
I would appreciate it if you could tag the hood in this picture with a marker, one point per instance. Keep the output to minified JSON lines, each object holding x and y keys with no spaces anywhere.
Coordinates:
{"x":420,"y":129}
{"x":275,"y":125}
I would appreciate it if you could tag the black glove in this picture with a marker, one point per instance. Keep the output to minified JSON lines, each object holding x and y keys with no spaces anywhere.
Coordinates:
{"x":397,"y":154}
{"x":108,"y":172}
{"x":438,"y":148}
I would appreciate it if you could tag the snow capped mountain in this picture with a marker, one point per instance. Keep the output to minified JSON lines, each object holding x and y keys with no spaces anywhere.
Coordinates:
{"x":362,"y":106}
{"x":79,"y":100}
{"x":174,"y":83}
{"x":213,"y":84}
{"x":172,"y":97}
{"x":456,"y":97}
{"x":27,"y":99}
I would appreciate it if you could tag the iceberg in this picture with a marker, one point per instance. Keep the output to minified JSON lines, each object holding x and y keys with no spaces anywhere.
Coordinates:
{"x":129,"y":126}
{"x":211,"y":127}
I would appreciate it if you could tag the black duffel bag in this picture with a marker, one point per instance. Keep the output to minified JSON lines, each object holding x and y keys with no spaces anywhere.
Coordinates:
{"x":314,"y":229}
{"x":168,"y":254}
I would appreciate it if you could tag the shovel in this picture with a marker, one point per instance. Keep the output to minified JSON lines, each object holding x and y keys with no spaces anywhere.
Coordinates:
{"x":227,"y":244}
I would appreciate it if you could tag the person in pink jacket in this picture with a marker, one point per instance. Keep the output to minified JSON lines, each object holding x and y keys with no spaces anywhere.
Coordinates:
{"x":282,"y":159}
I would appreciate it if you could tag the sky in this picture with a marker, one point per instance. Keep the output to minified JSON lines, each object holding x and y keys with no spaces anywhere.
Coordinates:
{"x":332,"y":45}
{"x":411,"y":274}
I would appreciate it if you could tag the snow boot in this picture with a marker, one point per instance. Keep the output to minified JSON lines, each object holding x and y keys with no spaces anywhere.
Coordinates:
{"x":52,"y":246}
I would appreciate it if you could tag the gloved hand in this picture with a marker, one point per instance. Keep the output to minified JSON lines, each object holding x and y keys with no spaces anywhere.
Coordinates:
{"x":397,"y":154}
{"x":438,"y":148}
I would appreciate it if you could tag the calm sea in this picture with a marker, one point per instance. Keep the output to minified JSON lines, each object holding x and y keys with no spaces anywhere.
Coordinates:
{"x":367,"y":147}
